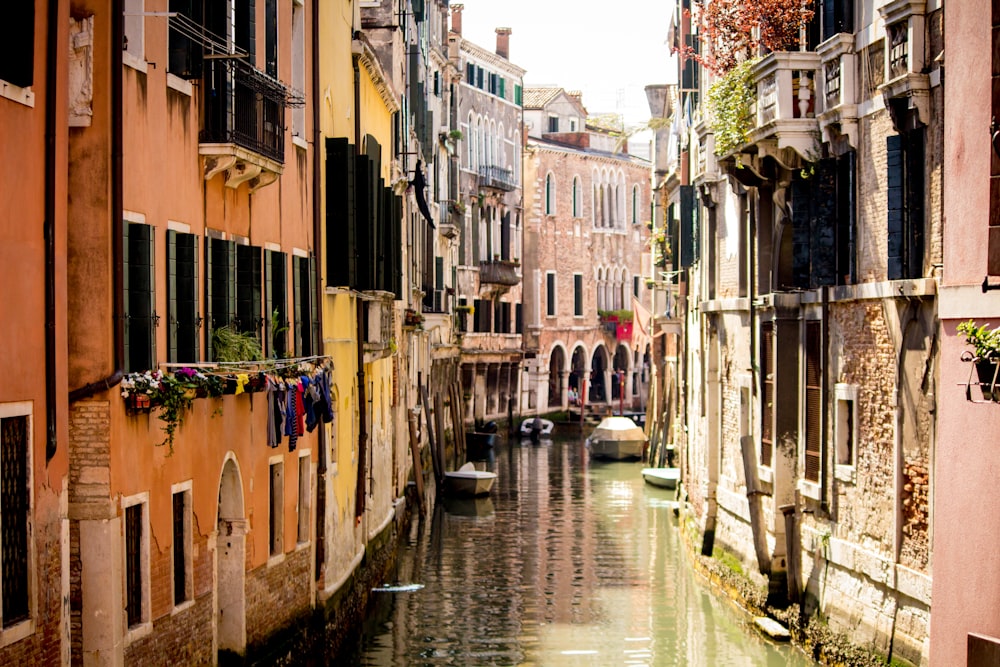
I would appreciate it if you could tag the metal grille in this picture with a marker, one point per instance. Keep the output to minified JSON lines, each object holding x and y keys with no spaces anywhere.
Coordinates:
{"x":133,"y":564}
{"x":814,"y":401}
{"x":767,"y":393}
{"x":246,"y":107}
{"x":180,"y":540}
{"x":14,"y":504}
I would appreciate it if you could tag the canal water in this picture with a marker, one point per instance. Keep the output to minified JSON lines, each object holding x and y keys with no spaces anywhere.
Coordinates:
{"x":568,"y":562}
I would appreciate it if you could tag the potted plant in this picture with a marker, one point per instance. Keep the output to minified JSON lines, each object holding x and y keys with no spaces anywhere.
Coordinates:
{"x":139,"y":389}
{"x":174,"y":400}
{"x":986,"y":343}
{"x":229,"y":344}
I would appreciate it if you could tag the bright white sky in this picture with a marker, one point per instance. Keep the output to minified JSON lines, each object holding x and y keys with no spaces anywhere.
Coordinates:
{"x":610,"y":51}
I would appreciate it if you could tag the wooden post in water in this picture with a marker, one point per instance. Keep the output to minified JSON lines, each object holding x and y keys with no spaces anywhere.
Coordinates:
{"x":418,"y":468}
{"x":435,"y":453}
{"x":439,"y":422}
{"x":457,"y":420}
{"x":753,"y":498}
{"x":792,"y":545}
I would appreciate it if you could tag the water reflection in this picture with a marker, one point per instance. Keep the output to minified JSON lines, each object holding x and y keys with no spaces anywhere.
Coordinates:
{"x":567,"y":562}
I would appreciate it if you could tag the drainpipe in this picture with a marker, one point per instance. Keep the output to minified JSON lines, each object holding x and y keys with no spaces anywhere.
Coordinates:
{"x":48,"y":231}
{"x":117,"y":225}
{"x":359,"y":505}
{"x":318,"y":155}
{"x":825,"y":409}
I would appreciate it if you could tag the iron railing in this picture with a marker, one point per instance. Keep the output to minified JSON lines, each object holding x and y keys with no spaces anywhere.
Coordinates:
{"x":497,"y":177}
{"x":499,"y":272}
{"x":246,"y":107}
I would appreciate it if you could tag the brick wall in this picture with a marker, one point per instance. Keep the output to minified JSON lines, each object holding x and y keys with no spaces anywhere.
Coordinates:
{"x":184,"y":638}
{"x":277,"y":596}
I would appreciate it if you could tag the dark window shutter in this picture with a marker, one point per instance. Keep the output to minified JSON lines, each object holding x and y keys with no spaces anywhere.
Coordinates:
{"x":689,"y":227}
{"x":341,"y":212}
{"x":246,"y":28}
{"x":277,"y":315}
{"x":180,"y":539}
{"x":766,"y":392}
{"x":505,"y":236}
{"x":550,"y":294}
{"x":271,"y":37}
{"x":300,"y":309}
{"x":800,"y":199}
{"x":578,"y":294}
{"x":133,"y":565}
{"x":17,"y":48}
{"x":439,"y":273}
{"x":914,"y":168}
{"x":814,"y":401}
{"x":138,"y":276}
{"x":172,"y":314}
{"x":248,"y":288}
{"x":518,"y":319}
{"x":185,"y":53}
{"x":896,"y":205}
{"x":182,"y":297}
{"x":846,"y":220}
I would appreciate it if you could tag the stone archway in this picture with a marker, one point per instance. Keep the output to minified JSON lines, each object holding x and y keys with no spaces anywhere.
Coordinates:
{"x":230,"y":568}
{"x":598,"y":390}
{"x":619,"y":378}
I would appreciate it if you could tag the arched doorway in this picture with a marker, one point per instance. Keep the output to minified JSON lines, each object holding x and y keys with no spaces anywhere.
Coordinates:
{"x":557,"y":365}
{"x":598,"y":392}
{"x":619,"y":378}
{"x":578,"y":370}
{"x":230,"y":560}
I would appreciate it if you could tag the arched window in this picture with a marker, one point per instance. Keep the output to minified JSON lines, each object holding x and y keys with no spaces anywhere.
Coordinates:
{"x":550,"y":194}
{"x":576,"y":197}
{"x":470,"y":141}
{"x":500,"y":153}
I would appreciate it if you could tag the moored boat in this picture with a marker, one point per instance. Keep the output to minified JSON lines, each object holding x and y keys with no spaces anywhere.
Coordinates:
{"x":617,"y":438}
{"x":666,"y":478}
{"x":468,"y":482}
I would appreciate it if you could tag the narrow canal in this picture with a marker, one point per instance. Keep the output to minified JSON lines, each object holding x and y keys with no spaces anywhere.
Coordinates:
{"x":568,"y":562}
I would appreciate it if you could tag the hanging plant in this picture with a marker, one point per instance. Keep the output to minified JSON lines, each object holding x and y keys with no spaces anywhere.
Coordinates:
{"x":229,"y":345}
{"x":730,"y":101}
{"x":174,"y":399}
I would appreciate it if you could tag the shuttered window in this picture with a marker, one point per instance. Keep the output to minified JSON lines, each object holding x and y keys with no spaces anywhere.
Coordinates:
{"x":484,"y":314}
{"x":905,"y":192}
{"x":248,"y":289}
{"x":15,"y":508}
{"x":276,"y":493}
{"x":183,"y":319}
{"x":276,"y":303}
{"x":578,"y":294}
{"x":814,"y":401}
{"x":181,"y":546}
{"x":766,"y":393}
{"x":303,"y":271}
{"x":550,"y":294}
{"x":688,"y":226}
{"x":138,"y":280}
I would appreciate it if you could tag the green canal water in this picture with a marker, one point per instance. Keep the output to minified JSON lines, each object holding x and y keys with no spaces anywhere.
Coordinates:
{"x":569,"y":561}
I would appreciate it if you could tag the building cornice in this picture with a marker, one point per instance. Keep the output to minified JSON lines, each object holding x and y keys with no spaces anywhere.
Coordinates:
{"x":365,"y":55}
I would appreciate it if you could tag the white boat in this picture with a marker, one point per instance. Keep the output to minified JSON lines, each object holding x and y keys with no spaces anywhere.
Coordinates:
{"x":617,"y":438}
{"x":666,"y":478}
{"x":467,"y":481}
{"x":532,"y":425}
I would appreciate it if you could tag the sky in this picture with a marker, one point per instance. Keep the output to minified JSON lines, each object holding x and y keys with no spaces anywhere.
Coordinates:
{"x":609,"y":50}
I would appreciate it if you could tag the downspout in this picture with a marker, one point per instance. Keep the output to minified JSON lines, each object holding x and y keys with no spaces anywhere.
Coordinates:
{"x":317,"y":237}
{"x":117,"y":225}
{"x":825,"y":409}
{"x":48,"y":231}
{"x":359,"y":500}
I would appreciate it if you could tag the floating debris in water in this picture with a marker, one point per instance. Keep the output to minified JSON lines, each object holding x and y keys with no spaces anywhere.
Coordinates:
{"x":398,"y":588}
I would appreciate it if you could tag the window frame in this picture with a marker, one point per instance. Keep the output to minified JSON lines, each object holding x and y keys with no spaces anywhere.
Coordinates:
{"x":20,"y":629}
{"x":577,"y":295}
{"x":145,"y":625}
{"x":844,"y":395}
{"x":304,"y":502}
{"x":276,"y":509}
{"x":551,"y":286}
{"x":182,"y":489}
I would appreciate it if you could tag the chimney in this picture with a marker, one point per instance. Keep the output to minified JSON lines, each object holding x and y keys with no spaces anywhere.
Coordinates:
{"x":456,"y":19}
{"x":503,"y":42}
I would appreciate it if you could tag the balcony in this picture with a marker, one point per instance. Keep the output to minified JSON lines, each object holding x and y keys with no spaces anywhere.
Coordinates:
{"x":499,"y":272}
{"x":244,"y":124}
{"x":786,"y":104}
{"x":378,"y":311}
{"x":497,"y":177}
{"x":839,"y":117}
{"x":906,"y":79}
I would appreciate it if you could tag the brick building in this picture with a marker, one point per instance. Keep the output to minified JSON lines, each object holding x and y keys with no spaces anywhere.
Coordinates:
{"x":587,"y":209}
{"x":810,"y":250}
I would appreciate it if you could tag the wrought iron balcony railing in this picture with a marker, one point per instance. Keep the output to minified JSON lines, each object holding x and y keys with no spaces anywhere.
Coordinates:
{"x":244,"y":106}
{"x":497,"y":177}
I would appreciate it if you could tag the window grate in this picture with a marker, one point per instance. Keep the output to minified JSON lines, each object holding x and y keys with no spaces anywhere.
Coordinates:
{"x":14,"y":516}
{"x":133,"y":564}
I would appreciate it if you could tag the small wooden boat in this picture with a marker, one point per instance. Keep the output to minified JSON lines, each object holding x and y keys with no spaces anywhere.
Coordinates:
{"x":617,"y":438}
{"x":665,"y":478}
{"x":478,"y":440}
{"x":468,"y":482}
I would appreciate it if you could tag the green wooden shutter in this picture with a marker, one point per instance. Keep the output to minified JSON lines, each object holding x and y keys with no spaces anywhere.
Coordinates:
{"x":896,"y":205}
{"x":314,"y":332}
{"x":689,"y":227}
{"x":172,"y":314}
{"x":341,"y":214}
{"x":248,"y":288}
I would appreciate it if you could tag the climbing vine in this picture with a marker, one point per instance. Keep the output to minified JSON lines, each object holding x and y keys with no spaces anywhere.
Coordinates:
{"x":730,"y":101}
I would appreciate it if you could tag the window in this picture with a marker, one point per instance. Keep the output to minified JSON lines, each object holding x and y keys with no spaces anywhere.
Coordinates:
{"x":838,"y":16}
{"x":484,"y":313}
{"x":271,"y":37}
{"x":479,"y":78}
{"x":550,"y":195}
{"x":517,"y":94}
{"x":470,"y":73}
{"x":134,"y":28}
{"x":275,"y":296}
{"x":572,"y":124}
{"x":305,"y":502}
{"x":248,"y":289}
{"x":846,"y":219}
{"x":276,"y":515}
{"x":304,"y":276}
{"x":185,"y":52}
{"x":17,"y":48}
{"x":550,"y":294}
{"x":299,"y":65}
{"x":136,"y":560}
{"x":905,"y":165}
{"x":220,"y":272}
{"x":576,"y":197}
{"x":577,"y":295}
{"x":140,"y":314}
{"x":183,"y":319}
{"x":183,"y":583}
{"x":635,"y":204}
{"x":635,"y":286}
{"x":846,"y":426}
{"x":15,"y":512}
{"x":502,"y":88}
{"x":814,"y":401}
{"x":766,"y":392}
{"x":553,"y":123}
